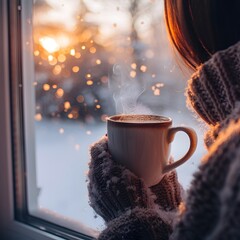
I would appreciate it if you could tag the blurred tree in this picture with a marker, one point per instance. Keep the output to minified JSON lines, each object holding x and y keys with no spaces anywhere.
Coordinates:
{"x":73,"y":57}
{"x":69,"y":76}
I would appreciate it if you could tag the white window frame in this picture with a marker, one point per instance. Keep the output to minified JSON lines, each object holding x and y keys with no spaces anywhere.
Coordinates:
{"x":15,"y":221}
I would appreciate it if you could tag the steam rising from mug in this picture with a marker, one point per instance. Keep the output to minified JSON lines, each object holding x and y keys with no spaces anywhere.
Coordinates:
{"x":126,"y":91}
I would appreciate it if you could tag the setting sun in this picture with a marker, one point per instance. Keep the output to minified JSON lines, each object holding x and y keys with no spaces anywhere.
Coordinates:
{"x":49,"y":44}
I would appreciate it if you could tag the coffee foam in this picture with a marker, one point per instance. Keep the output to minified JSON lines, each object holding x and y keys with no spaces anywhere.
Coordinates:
{"x":140,"y":119}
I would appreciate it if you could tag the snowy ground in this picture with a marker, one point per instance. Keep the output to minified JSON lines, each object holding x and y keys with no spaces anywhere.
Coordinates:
{"x":62,"y":157}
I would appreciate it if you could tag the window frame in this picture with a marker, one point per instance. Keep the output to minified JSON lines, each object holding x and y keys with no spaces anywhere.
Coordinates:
{"x":15,"y":67}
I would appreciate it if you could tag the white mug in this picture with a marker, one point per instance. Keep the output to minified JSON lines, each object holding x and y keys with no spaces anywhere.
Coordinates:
{"x":142,"y":143}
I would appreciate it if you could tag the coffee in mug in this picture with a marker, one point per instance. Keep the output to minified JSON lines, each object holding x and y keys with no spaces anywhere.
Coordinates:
{"x":142,"y":143}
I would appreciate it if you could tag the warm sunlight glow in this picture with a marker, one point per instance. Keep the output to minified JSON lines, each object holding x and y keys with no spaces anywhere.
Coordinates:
{"x":36,"y":53}
{"x":133,"y":74}
{"x":92,"y":50}
{"x":98,"y":61}
{"x":46,"y":87}
{"x":61,"y":58}
{"x":50,"y":58}
{"x":49,"y":44}
{"x":67,"y":105}
{"x":59,"y":93}
{"x":70,"y":115}
{"x":156,"y":88}
{"x":89,"y":82}
{"x":38,"y":116}
{"x":143,"y":68}
{"x":75,"y":69}
{"x":72,"y":52}
{"x":57,"y":70}
{"x":77,"y":55}
{"x":133,"y":65}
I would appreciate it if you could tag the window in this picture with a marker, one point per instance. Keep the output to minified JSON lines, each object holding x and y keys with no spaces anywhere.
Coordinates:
{"x":66,"y":66}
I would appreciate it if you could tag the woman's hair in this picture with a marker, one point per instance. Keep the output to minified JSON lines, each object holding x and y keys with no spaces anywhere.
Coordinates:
{"x":199,"y":28}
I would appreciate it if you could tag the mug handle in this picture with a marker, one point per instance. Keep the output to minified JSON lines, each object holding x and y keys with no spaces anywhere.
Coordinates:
{"x":193,"y":144}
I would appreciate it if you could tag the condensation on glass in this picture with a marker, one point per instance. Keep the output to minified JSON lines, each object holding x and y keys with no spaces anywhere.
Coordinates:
{"x":93,"y":59}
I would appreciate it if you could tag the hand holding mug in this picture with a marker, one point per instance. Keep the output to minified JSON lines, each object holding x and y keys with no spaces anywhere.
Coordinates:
{"x":142,"y":143}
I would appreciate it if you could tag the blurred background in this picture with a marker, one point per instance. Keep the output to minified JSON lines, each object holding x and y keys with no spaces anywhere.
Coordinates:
{"x":95,"y":58}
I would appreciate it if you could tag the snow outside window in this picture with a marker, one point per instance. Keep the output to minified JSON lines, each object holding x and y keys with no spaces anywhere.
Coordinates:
{"x":93,"y":59}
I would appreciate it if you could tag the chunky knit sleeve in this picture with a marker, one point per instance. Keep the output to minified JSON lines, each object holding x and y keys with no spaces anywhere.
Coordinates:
{"x":212,"y":209}
{"x":213,"y":92}
{"x":139,"y":224}
{"x":214,"y":89}
{"x":130,"y":209}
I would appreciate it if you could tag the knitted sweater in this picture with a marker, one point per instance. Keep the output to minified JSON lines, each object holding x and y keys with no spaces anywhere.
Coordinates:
{"x":212,"y":208}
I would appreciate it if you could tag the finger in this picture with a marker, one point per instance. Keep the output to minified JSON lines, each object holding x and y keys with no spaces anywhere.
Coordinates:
{"x":117,"y":188}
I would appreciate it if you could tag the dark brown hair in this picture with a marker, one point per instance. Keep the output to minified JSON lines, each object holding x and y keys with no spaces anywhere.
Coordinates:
{"x":199,"y":28}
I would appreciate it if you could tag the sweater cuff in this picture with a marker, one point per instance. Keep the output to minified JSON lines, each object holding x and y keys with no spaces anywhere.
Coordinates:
{"x":214,"y":89}
{"x":140,"y":224}
{"x":168,"y":192}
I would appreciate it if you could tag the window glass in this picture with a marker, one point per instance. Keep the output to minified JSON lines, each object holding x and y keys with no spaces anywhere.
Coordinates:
{"x":95,"y":58}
